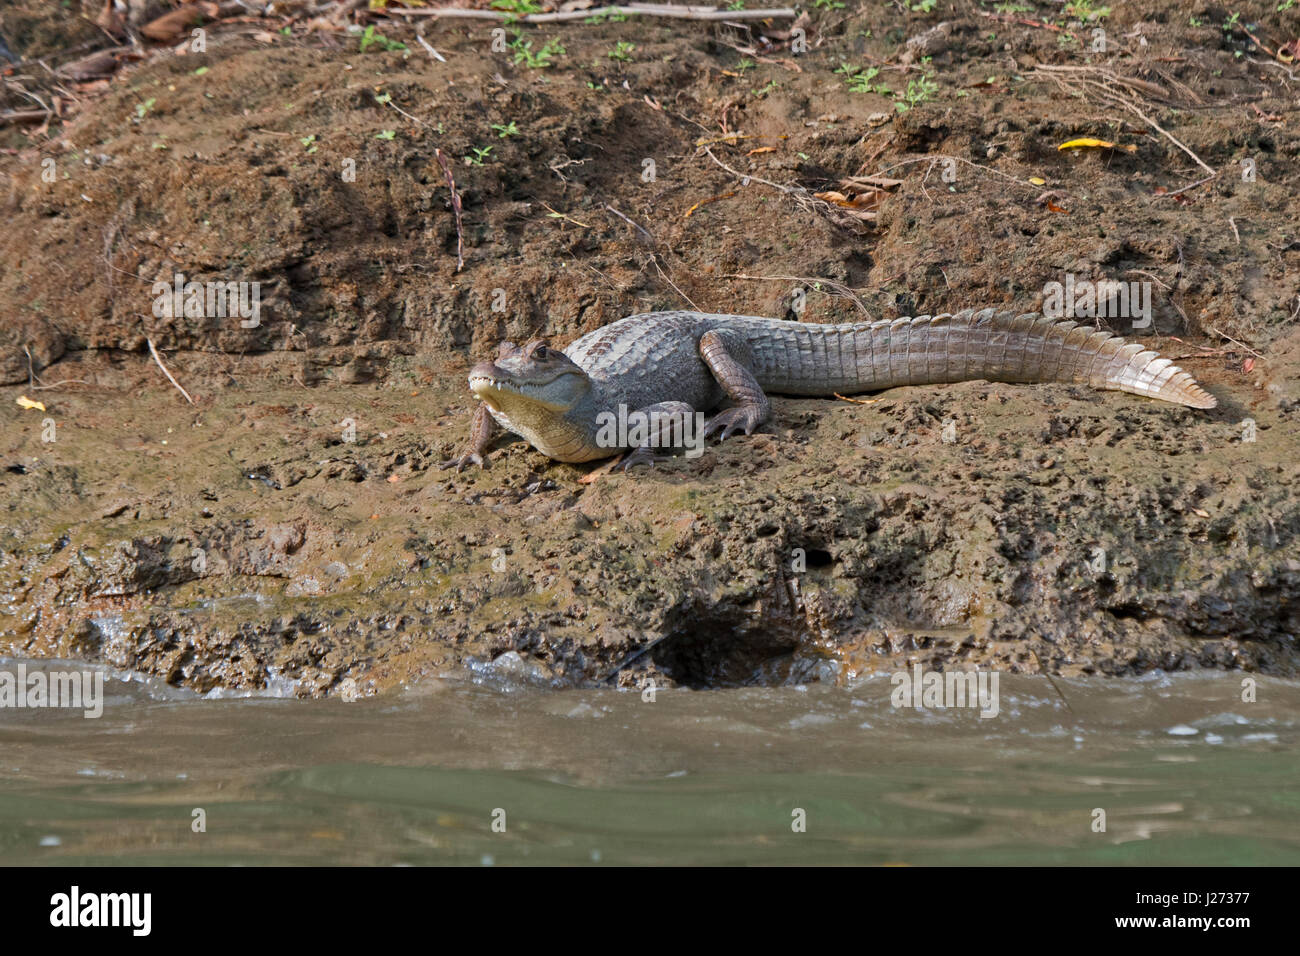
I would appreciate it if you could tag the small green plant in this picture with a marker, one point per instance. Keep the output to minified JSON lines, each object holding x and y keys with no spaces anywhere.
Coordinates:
{"x":744,"y":65}
{"x":1085,"y":10}
{"x":478,"y":157}
{"x":386,"y":134}
{"x":605,"y":18}
{"x":510,"y":129}
{"x":1194,"y":21}
{"x":309,"y":142}
{"x":1230,"y":24}
{"x":622,"y":52}
{"x":516,"y":8}
{"x":828,"y":5}
{"x":373,"y":37}
{"x":859,"y":81}
{"x":200,"y":71}
{"x":1012,"y":8}
{"x":1285,"y":5}
{"x":736,"y":5}
{"x":539,"y":60}
{"x":925,"y":6}
{"x":919,"y":89}
{"x":142,"y":109}
{"x":764,"y":90}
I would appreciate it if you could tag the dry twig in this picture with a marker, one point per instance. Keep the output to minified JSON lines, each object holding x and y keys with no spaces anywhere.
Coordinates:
{"x":157,"y":358}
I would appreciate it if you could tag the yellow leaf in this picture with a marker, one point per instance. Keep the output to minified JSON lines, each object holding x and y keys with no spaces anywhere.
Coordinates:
{"x":1037,"y":181}
{"x":1088,"y":142}
{"x":26,"y":402}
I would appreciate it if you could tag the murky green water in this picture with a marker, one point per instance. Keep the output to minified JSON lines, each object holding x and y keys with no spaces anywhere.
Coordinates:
{"x":1185,"y":771}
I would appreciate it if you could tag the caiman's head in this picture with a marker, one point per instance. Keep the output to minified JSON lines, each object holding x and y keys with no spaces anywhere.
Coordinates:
{"x":529,"y":382}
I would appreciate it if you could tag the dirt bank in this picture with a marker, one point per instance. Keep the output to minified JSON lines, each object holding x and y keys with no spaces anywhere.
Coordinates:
{"x":291,"y":526}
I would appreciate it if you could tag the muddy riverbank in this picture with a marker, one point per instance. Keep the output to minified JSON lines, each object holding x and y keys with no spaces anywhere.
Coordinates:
{"x":291,"y":527}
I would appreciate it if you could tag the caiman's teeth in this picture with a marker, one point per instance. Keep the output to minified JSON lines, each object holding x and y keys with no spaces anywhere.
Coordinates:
{"x":492,"y":383}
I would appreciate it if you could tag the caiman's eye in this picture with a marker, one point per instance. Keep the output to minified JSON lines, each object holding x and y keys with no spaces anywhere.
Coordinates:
{"x":541,"y":352}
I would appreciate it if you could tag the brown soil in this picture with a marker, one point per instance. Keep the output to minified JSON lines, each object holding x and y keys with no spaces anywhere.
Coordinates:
{"x":246,"y":538}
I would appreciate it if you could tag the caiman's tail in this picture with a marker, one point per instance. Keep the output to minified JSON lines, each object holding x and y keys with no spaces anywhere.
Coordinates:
{"x":808,"y":359}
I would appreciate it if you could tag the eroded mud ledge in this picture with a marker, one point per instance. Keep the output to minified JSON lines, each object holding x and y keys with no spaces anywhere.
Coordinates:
{"x":244,"y":539}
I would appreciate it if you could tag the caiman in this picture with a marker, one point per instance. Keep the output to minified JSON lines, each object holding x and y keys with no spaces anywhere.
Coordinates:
{"x":672,"y":365}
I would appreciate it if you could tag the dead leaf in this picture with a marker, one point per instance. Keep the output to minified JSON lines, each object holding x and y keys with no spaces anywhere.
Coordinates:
{"x":592,"y":476}
{"x":882,"y":182}
{"x":705,"y":202}
{"x":110,"y":20}
{"x":92,"y":67}
{"x":26,"y":402}
{"x":169,"y":27}
{"x":1266,"y":117}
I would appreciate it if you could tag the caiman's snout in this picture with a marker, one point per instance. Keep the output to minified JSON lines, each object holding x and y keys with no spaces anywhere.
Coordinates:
{"x":484,"y":376}
{"x":535,"y":374}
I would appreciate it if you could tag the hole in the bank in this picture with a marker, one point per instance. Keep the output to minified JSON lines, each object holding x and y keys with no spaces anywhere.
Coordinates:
{"x":707,"y":654}
{"x":818,"y":558}
{"x":1129,"y":610}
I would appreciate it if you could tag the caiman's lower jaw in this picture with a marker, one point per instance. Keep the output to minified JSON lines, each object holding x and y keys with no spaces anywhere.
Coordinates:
{"x":494,"y":391}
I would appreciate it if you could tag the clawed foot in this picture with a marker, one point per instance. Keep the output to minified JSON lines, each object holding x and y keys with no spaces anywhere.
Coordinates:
{"x":732,"y":421}
{"x":638,"y":456}
{"x":464,"y":461}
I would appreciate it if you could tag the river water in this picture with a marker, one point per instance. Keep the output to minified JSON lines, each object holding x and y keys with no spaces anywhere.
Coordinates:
{"x":1184,"y":770}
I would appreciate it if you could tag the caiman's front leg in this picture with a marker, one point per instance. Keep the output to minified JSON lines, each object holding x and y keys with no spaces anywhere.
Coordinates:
{"x":666,"y":421}
{"x":729,"y":358}
{"x":481,"y":434}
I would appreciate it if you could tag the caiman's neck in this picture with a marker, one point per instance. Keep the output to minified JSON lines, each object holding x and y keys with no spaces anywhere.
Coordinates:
{"x":565,"y":436}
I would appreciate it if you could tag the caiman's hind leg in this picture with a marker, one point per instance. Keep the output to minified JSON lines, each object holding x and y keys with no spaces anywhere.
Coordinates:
{"x":729,"y":359}
{"x":669,"y":425}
